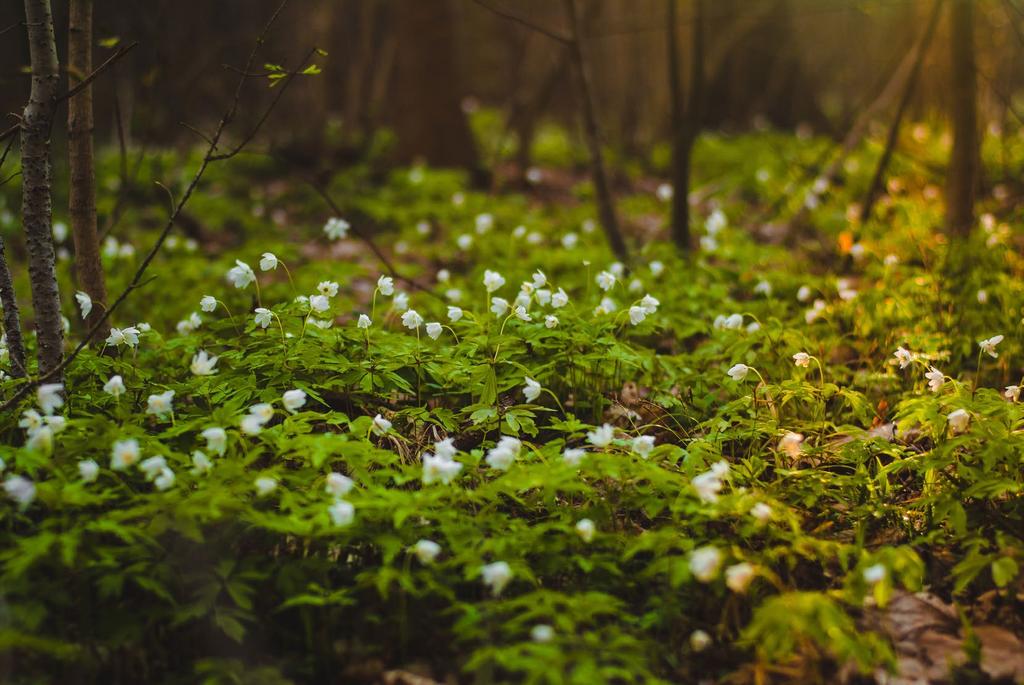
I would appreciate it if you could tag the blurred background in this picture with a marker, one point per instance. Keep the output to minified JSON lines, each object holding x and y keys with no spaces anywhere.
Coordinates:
{"x":418,"y":67}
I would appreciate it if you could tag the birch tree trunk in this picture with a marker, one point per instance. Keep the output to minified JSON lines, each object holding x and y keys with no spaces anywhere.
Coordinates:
{"x":12,"y":319}
{"x":82,"y":193}
{"x":36,"y":202}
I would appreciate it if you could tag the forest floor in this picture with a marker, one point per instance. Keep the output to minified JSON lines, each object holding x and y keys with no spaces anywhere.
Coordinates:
{"x":794,"y":455}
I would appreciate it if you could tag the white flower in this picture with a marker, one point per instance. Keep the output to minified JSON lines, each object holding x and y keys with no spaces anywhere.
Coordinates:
{"x":656,"y":268}
{"x":41,"y":439}
{"x":715,"y":222}
{"x":208,"y":303}
{"x":569,"y":240}
{"x":265,"y":485}
{"x":380,"y":425}
{"x":704,"y":563}
{"x":250,"y":424}
{"x":664,"y":192}
{"x":601,"y":437}
{"x":464,"y":241}
{"x":20,"y":489}
{"x":263,"y":411}
{"x":707,"y":485}
{"x":293,"y":400}
{"x":874,"y":574}
{"x":521,"y":313}
{"x":605,"y":280}
{"x":152,"y":467}
{"x":989,"y":346}
{"x":338,"y":485}
{"x":543,"y":296}
{"x":84,"y":303}
{"x":434,"y":330}
{"x":699,"y":640}
{"x":426,"y":551}
{"x":443,"y":275}
{"x":637,"y":314}
{"x":411,"y":319}
{"x":531,"y":390}
{"x":319,"y":303}
{"x":573,"y":455}
{"x":982,"y":297}
{"x":453,"y":294}
{"x":200,"y":463}
{"x":268,"y":262}
{"x":903,"y":356}
{"x":454,"y":313}
{"x":60,"y":231}
{"x":401,"y":302}
{"x":739,"y":576}
{"x":1012,"y":392}
{"x":263,"y":317}
{"x":551,"y":321}
{"x":958,"y":420}
{"x":539,"y":279}
{"x":88,"y":470}
{"x":802,"y":359}
{"x":364,"y":321}
{"x":241,"y":275}
{"x":336,"y":228}
{"x":439,"y":468}
{"x":730,"y":323}
{"x":493,"y":280}
{"x":496,"y":576}
{"x":327,"y":288}
{"x":542,"y":633}
{"x":484,"y":223}
{"x":161,"y":405}
{"x":935,"y":379}
{"x":559,"y":299}
{"x":803,"y":294}
{"x":790,"y":444}
{"x":48,"y":395}
{"x":203,"y":364}
{"x":585,"y":529}
{"x":504,"y":453}
{"x":216,"y":439}
{"x":738,"y":372}
{"x":342,"y":513}
{"x":606,"y":306}
{"x":763,"y":288}
{"x":650,"y":304}
{"x":31,"y":421}
{"x":386,"y":285}
{"x":643,"y":444}
{"x":761,"y":511}
{"x":499,"y":305}
{"x":124,"y":453}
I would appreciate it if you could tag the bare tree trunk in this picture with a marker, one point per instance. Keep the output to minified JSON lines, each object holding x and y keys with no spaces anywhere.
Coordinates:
{"x":685,"y":122}
{"x":36,"y":203}
{"x":605,"y":201}
{"x":964,"y":159}
{"x":878,"y":178}
{"x":429,"y":121}
{"x":12,"y":320}
{"x":82,"y":193}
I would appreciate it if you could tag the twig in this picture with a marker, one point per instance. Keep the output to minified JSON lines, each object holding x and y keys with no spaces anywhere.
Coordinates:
{"x":553,"y":35}
{"x":136,"y":281}
{"x":84,"y":83}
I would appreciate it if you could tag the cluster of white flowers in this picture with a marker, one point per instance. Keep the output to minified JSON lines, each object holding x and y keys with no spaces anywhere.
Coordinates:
{"x":709,"y":483}
{"x":502,"y":455}
{"x":441,"y":465}
{"x":259,"y":415}
{"x":41,"y":428}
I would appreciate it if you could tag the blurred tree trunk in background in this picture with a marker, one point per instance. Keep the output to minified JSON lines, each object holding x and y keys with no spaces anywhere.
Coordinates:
{"x":82,"y":191}
{"x":686,"y":119}
{"x":964,"y":158}
{"x":36,"y":199}
{"x":598,"y":172}
{"x":763,"y":72}
{"x":426,"y":106}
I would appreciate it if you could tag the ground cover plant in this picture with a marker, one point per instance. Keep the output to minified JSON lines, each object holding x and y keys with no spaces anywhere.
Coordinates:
{"x":535,"y":465}
{"x":491,"y":396}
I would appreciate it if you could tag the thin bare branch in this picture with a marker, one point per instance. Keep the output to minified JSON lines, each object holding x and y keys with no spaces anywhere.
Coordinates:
{"x":553,"y":35}
{"x":84,"y":83}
